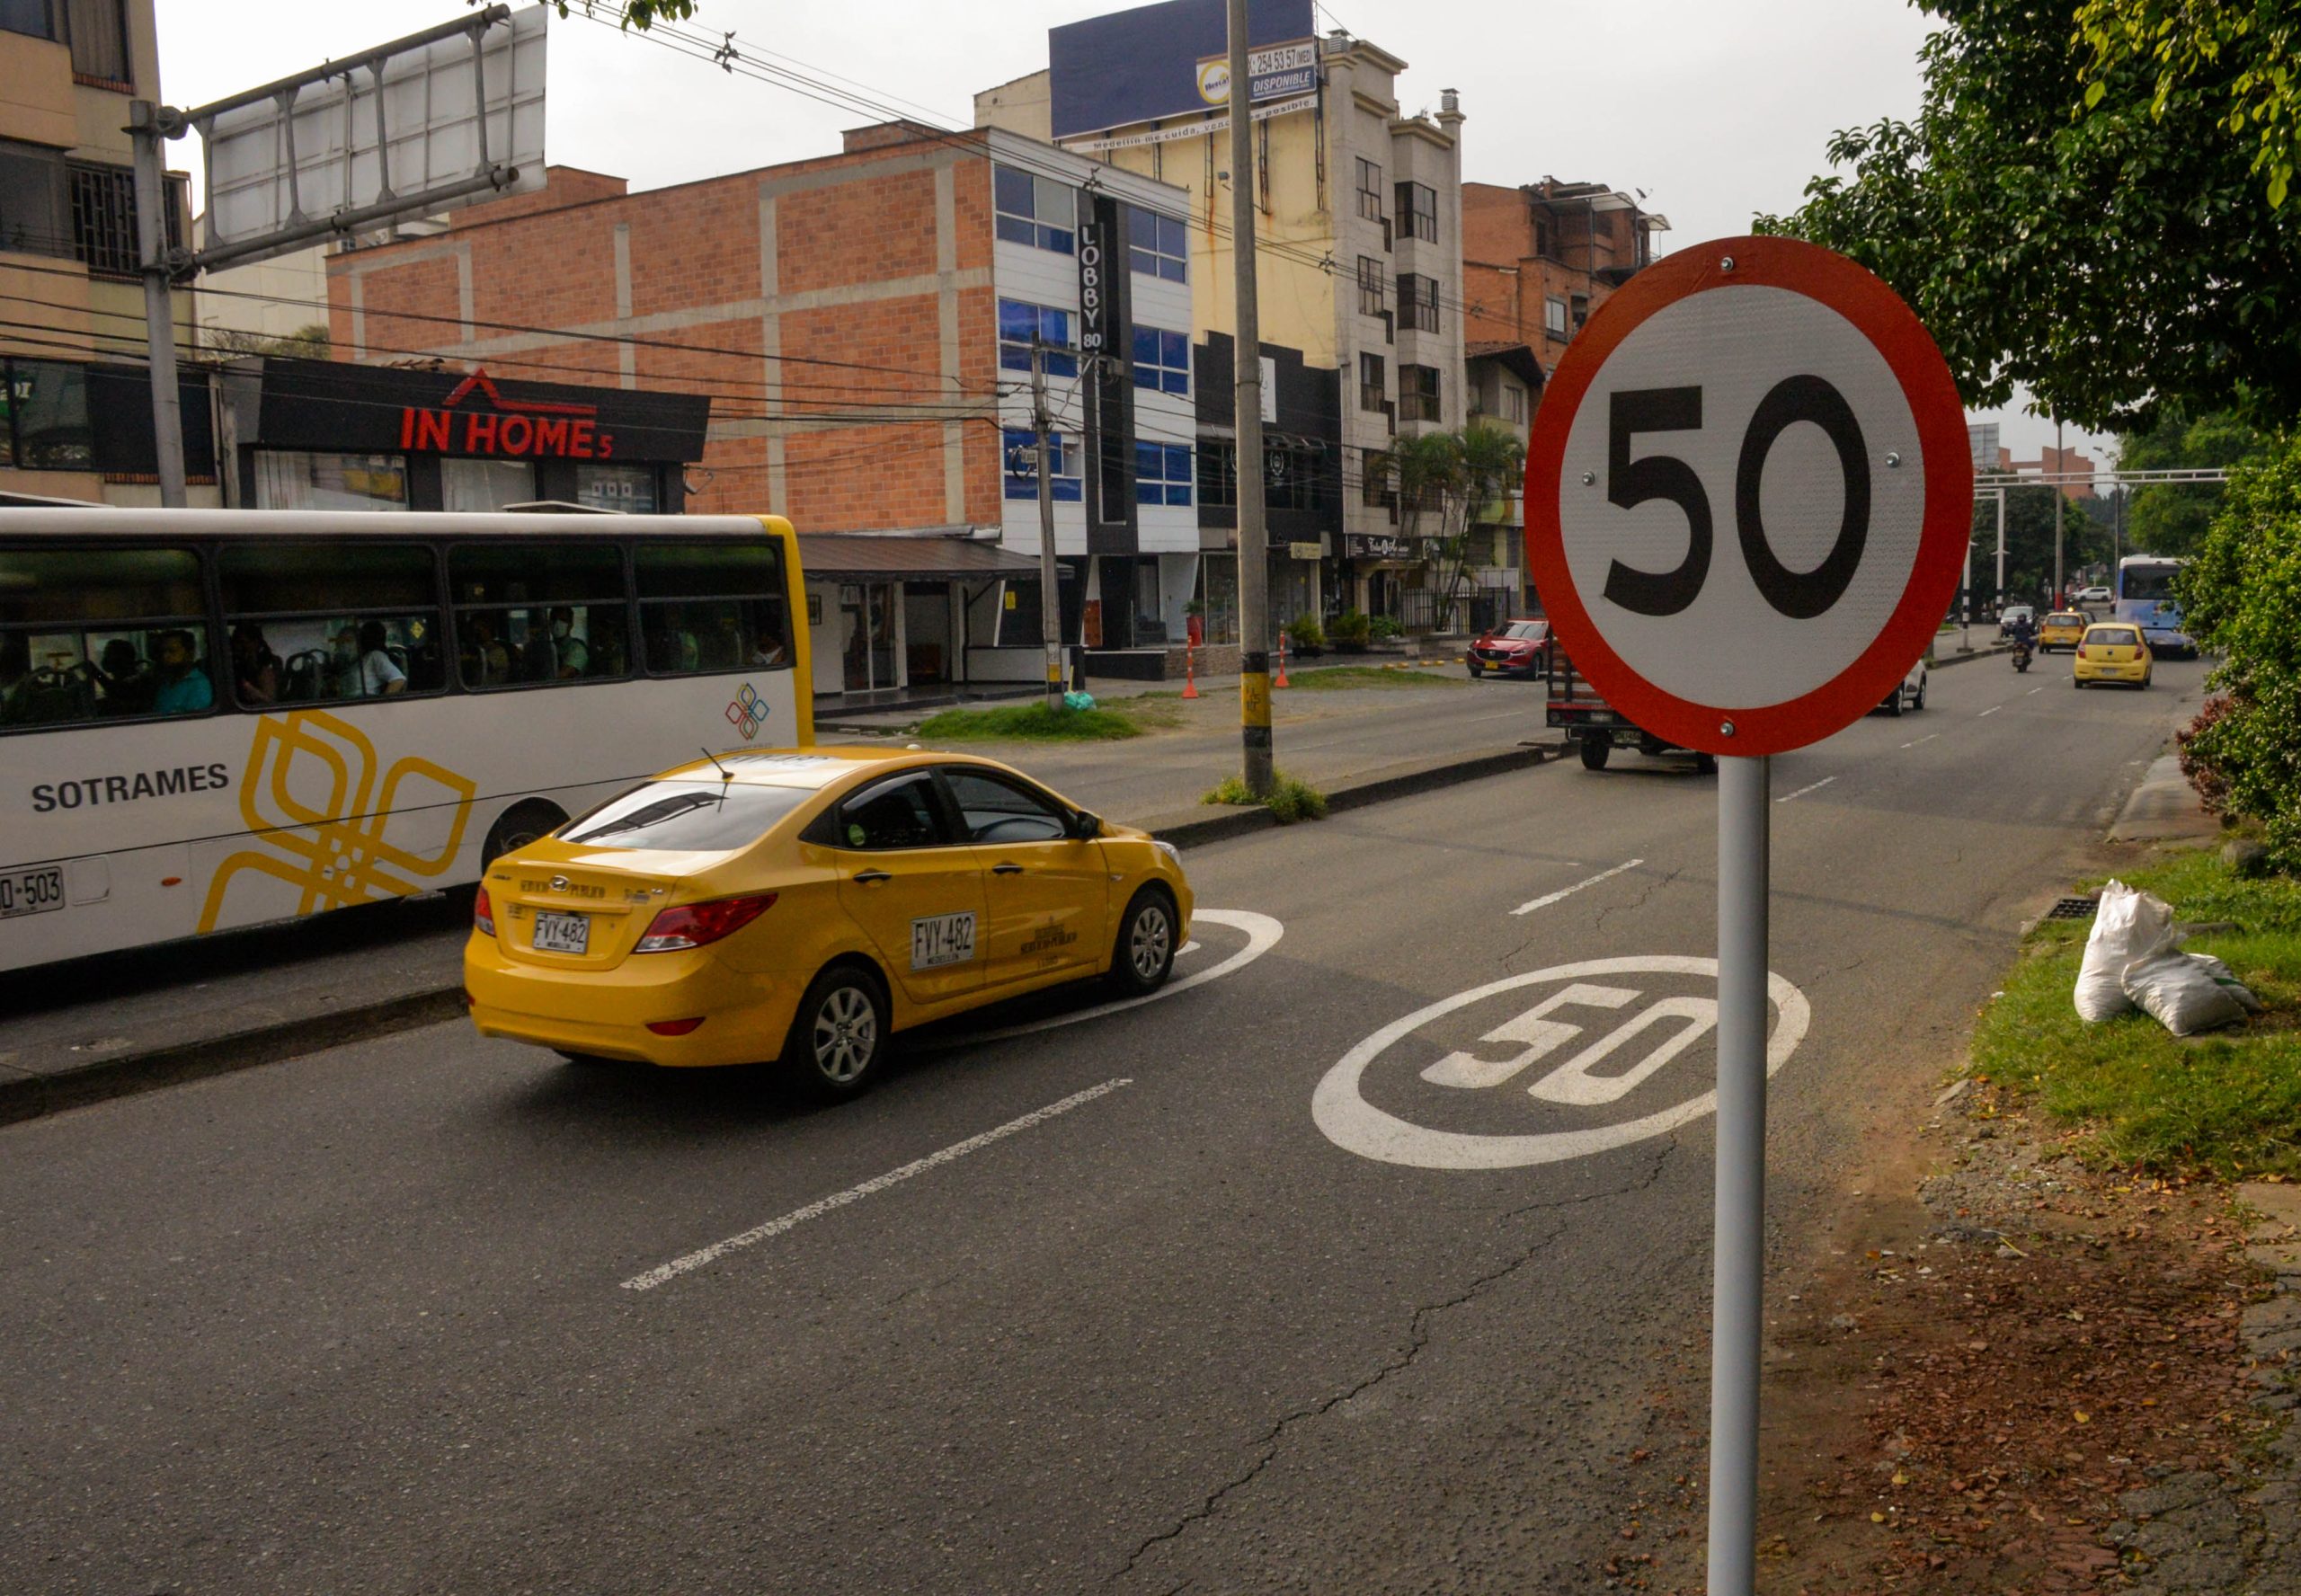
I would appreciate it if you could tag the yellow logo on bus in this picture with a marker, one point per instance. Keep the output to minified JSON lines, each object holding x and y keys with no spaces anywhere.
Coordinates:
{"x":327,"y":827}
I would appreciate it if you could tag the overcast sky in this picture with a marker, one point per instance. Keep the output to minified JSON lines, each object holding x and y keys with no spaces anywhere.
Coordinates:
{"x":1717,"y":110}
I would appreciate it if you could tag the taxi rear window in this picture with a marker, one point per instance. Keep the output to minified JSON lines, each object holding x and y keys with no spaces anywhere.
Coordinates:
{"x":686,"y":816}
{"x":2112,"y":637}
{"x":2065,"y":620}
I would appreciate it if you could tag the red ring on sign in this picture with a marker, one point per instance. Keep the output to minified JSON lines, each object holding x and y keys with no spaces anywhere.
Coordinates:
{"x":1850,"y":289}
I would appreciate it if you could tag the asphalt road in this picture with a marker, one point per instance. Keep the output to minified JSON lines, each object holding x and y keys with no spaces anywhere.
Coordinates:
{"x":359,"y":1322}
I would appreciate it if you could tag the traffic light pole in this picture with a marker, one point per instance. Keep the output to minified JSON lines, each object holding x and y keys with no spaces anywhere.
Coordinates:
{"x":1254,"y":541}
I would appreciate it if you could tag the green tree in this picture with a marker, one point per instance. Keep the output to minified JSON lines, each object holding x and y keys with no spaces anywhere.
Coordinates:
{"x":2172,"y":517}
{"x":2252,"y":53}
{"x":2107,"y":255}
{"x":2029,"y":543}
{"x":642,"y":15}
{"x":309,"y":342}
{"x":1454,"y":478}
{"x":2242,"y":596}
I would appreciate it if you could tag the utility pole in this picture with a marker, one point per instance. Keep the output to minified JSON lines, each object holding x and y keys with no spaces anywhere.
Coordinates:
{"x":151,"y":186}
{"x":2060,"y":496}
{"x":1254,"y":540}
{"x":1050,"y":590}
{"x":2001,"y":554}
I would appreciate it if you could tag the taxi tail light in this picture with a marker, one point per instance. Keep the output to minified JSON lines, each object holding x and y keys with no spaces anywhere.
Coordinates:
{"x":483,"y":914}
{"x":674,"y":1027}
{"x":2081,"y":653}
{"x":692,"y":925}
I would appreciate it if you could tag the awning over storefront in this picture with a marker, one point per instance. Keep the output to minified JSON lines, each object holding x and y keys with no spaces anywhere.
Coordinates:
{"x":869,"y":556}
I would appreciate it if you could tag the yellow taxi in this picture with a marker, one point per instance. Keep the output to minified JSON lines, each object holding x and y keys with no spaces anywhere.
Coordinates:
{"x":2062,"y":629}
{"x":805,"y":904}
{"x":2113,"y":651}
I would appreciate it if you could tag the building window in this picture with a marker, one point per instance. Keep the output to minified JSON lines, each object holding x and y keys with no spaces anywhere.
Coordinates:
{"x":1418,"y":212}
{"x":1513,"y":403}
{"x":302,"y":479}
{"x":32,"y":220}
{"x":486,"y":486}
{"x":1290,"y":477}
{"x":1373,"y":385}
{"x":1157,"y":245}
{"x":99,"y":39}
{"x":1374,"y":483}
{"x":1022,"y":466}
{"x":1369,"y":190}
{"x":1371,"y":285}
{"x":1162,"y":474}
{"x":1581,"y":310}
{"x":1161,"y":361}
{"x":1417,"y":303}
{"x":35,"y":17}
{"x":1554,"y":316}
{"x":45,"y":426}
{"x":1218,"y":473}
{"x":1417,"y":392}
{"x":1020,"y":324}
{"x":1034,"y":210}
{"x":628,"y":488}
{"x":1545,"y":238}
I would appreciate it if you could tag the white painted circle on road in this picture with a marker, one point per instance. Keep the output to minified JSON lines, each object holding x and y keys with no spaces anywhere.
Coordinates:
{"x":1654,"y":1022}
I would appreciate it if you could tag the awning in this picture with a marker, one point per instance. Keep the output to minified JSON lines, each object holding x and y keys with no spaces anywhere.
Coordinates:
{"x":858,"y":556}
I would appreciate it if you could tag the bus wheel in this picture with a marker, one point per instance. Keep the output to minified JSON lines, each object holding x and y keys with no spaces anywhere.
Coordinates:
{"x":518,"y":825}
{"x":1593,"y":753}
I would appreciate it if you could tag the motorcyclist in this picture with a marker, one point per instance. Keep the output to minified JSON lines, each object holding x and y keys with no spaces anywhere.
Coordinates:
{"x":2023,"y":630}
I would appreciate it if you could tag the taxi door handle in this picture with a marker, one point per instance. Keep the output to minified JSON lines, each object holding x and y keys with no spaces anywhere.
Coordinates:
{"x":867,"y":877}
{"x":1006,"y":870}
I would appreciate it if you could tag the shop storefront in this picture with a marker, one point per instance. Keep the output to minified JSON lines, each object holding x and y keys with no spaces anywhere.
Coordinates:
{"x":331,"y":435}
{"x":897,"y":618}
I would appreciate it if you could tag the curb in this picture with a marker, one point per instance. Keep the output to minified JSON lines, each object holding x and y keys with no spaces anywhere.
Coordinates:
{"x":1983,"y":653}
{"x":28,"y":1096}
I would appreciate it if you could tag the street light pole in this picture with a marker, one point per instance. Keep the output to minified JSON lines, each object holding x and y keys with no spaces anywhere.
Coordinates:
{"x":151,"y":188}
{"x":1049,"y":589}
{"x":2060,"y":495}
{"x":1254,"y":541}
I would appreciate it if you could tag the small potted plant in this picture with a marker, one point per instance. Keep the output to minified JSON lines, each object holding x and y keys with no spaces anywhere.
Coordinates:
{"x":1306,"y":635}
{"x":1350,"y":631}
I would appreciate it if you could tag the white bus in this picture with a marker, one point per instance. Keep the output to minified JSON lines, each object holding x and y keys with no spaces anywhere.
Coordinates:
{"x":215,"y":719}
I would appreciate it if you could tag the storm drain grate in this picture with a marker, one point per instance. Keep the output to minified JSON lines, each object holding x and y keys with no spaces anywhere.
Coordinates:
{"x":2072,"y":908}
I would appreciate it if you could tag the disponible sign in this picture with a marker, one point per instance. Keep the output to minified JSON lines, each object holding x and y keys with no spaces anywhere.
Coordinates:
{"x":335,"y":405}
{"x":1274,"y":73}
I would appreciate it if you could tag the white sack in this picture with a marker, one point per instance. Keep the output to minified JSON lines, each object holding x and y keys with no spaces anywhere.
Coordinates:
{"x":2187,"y":993}
{"x":2129,"y":925}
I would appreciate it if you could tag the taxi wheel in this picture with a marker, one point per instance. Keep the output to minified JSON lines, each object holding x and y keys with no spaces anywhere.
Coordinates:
{"x":1145,"y":953}
{"x":839,"y":1035}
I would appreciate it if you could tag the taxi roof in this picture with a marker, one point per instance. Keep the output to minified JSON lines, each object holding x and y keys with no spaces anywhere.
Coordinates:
{"x":796,"y":767}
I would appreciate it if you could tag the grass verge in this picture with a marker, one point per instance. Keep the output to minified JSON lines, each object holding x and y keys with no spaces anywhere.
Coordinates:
{"x":1110,"y":722}
{"x":2228,"y":1101}
{"x":1291,"y":799}
{"x":1328,"y":678}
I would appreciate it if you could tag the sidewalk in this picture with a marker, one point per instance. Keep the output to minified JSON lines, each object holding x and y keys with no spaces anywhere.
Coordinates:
{"x":104,"y":1027}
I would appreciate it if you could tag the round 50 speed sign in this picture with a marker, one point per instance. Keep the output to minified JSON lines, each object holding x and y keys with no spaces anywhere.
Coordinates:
{"x":1748,"y":495}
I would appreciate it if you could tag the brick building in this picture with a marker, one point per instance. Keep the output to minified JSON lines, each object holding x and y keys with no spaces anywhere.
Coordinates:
{"x":862,"y":323}
{"x":1537,"y":260}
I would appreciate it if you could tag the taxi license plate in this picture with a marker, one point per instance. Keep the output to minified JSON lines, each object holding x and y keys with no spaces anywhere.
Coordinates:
{"x":562,"y":934}
{"x":31,"y":891}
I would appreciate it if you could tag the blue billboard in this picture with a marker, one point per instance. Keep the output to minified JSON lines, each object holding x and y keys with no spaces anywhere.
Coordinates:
{"x":1139,"y":65}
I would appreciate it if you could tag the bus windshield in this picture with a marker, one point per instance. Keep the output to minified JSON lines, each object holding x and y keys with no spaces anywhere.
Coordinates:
{"x":2152,"y":581}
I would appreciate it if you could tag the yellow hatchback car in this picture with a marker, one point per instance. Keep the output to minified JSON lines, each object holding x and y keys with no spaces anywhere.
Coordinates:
{"x":805,"y":904}
{"x":2062,"y":629}
{"x":2113,"y":651}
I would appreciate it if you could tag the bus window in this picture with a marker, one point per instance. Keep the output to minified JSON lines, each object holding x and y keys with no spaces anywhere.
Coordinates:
{"x":101,"y":633}
{"x":706,"y":607}
{"x":343,"y":620}
{"x":531,"y":614}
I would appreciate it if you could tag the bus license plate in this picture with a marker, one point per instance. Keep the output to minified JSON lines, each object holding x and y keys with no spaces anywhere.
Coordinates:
{"x":31,"y":891}
{"x":562,"y":934}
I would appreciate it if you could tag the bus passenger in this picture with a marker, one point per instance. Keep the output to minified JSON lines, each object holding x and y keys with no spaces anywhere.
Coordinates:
{"x":15,"y":679}
{"x":129,"y":684}
{"x":184,"y":687}
{"x":574,"y":653}
{"x":255,"y":668}
{"x":377,"y":674}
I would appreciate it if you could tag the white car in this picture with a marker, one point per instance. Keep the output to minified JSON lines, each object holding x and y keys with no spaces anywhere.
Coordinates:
{"x":2095,"y":595}
{"x":1910,"y":694}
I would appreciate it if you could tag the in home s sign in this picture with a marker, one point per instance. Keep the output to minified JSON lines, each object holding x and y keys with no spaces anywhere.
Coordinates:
{"x":523,"y":429}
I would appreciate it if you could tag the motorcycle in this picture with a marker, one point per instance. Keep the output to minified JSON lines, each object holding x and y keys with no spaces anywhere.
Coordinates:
{"x":2021,"y":654}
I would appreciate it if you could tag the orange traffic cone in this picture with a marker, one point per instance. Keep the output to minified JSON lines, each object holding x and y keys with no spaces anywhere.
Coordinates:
{"x":1190,"y":671}
{"x":1281,"y":680}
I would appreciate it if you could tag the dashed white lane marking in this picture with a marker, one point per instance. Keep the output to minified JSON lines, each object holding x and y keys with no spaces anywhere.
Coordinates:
{"x":1547,"y":898}
{"x":1262,"y":935}
{"x":1929,"y":737}
{"x":2034,"y":692}
{"x":1801,"y":792}
{"x":855,"y":1193}
{"x":1992,"y":710}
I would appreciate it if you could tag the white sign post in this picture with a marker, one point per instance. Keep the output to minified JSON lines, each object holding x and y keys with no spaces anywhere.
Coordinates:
{"x":1748,"y":495}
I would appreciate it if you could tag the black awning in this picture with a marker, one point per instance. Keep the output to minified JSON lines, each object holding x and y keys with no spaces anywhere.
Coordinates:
{"x":855,"y":556}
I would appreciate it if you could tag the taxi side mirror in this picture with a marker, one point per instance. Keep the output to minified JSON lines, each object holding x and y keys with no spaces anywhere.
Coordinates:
{"x":1086,"y":827}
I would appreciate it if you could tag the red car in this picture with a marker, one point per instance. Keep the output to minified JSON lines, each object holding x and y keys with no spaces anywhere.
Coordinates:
{"x":1513,"y":648}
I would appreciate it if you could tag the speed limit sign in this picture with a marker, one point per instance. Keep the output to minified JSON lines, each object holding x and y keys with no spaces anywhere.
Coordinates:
{"x":1748,"y":495}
